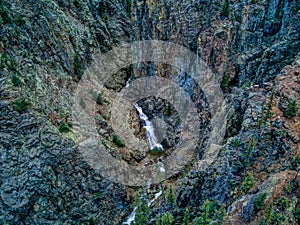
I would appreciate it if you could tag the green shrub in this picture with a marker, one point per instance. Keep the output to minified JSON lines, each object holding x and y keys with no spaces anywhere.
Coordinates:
{"x":260,"y":200}
{"x":128,"y":8}
{"x":99,"y":99}
{"x":91,"y":221}
{"x":251,"y":145}
{"x":248,"y":153}
{"x":289,"y":187}
{"x":20,"y":20}
{"x":269,"y":107}
{"x":295,"y":9}
{"x":247,"y":85}
{"x":268,"y":216}
{"x":272,"y":217}
{"x":96,"y":97}
{"x":78,"y":67}
{"x":205,"y":211}
{"x":167,"y":110}
{"x":248,"y":183}
{"x":5,"y":14}
{"x":97,"y":195}
{"x":7,"y":61}
{"x":236,"y":143}
{"x":11,"y":63}
{"x":279,"y":218}
{"x":226,"y":8}
{"x":297,"y":213}
{"x":225,"y":80}
{"x":21,"y":105}
{"x":283,"y":203}
{"x":15,"y":80}
{"x":64,"y":127}
{"x":78,"y":4}
{"x":118,"y":141}
{"x":156,"y":151}
{"x":291,"y":110}
{"x":82,"y":103}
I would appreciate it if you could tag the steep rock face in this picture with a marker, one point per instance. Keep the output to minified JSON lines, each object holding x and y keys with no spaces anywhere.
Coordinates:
{"x":266,"y":145}
{"x":267,"y":38}
{"x":254,"y":43}
{"x":45,"y":47}
{"x":45,"y":181}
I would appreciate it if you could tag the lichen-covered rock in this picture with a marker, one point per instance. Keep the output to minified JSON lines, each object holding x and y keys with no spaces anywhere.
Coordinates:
{"x":45,"y":47}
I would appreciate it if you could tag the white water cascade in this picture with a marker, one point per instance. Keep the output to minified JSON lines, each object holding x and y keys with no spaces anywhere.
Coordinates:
{"x":131,"y":218}
{"x":149,"y":129}
{"x":153,"y":144}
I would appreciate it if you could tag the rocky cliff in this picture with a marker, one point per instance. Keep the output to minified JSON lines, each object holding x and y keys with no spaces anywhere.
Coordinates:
{"x":46,"y":47}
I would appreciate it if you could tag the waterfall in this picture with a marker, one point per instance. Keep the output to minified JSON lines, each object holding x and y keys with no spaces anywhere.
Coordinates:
{"x":149,"y":129}
{"x":156,"y":196}
{"x":153,"y":144}
{"x":131,"y":218}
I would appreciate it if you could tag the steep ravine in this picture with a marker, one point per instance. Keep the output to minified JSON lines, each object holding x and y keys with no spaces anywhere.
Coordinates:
{"x":251,"y":46}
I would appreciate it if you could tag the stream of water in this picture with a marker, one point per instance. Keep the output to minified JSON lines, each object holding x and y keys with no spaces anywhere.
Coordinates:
{"x":153,"y":144}
{"x":131,"y":218}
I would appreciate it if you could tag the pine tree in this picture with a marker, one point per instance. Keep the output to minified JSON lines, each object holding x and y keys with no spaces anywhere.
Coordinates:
{"x":291,"y":110}
{"x":166,"y":219}
{"x":142,"y":211}
{"x":171,"y":197}
{"x":204,"y":219}
{"x":225,"y":80}
{"x":186,"y":218}
{"x":210,"y":211}
{"x":128,"y":8}
{"x":226,"y":8}
{"x":248,"y":183}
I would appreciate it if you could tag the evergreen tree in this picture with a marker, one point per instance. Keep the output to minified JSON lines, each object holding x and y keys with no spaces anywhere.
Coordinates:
{"x":248,"y":183}
{"x":128,"y":8}
{"x":225,"y":80}
{"x":210,"y":212}
{"x":142,"y":211}
{"x":171,"y":197}
{"x":186,"y":218}
{"x":166,"y":219}
{"x":226,"y":8}
{"x":291,"y":110}
{"x":204,"y":219}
